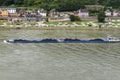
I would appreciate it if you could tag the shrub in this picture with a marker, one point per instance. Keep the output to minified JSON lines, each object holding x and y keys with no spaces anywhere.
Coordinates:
{"x":101,"y":16}
{"x":74,"y":18}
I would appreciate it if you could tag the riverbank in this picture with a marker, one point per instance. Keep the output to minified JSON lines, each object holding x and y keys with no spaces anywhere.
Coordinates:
{"x":83,"y":25}
{"x":57,"y":28}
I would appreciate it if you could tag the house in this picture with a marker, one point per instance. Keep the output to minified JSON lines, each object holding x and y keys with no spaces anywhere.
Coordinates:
{"x":64,"y":16}
{"x":30,"y":17}
{"x":42,"y":12}
{"x":33,"y":17}
{"x":8,"y":12}
{"x":83,"y":13}
{"x":21,"y":12}
{"x":12,"y":12}
{"x":108,"y":13}
{"x":33,"y":11}
{"x":53,"y":13}
{"x":116,"y":13}
{"x":5,"y":12}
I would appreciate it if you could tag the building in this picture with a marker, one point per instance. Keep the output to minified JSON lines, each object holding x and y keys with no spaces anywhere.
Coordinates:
{"x":116,"y":13}
{"x":53,"y":13}
{"x":12,"y":12}
{"x":8,"y":12}
{"x":83,"y":13}
{"x":21,"y":12}
{"x":42,"y":12}
{"x":108,"y":13}
{"x":5,"y":13}
{"x":33,"y":17}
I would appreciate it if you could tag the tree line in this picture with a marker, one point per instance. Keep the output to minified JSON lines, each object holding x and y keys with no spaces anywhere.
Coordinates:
{"x":61,"y":5}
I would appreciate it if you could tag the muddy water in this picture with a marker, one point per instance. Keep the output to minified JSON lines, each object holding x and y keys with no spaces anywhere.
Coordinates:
{"x":47,"y":61}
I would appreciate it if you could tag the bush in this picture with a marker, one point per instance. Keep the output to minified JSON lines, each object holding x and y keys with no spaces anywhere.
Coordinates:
{"x":74,"y":18}
{"x":101,"y":16}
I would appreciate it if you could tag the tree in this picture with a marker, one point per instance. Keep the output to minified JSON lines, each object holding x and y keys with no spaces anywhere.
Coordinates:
{"x":74,"y":18}
{"x":61,"y":5}
{"x":18,"y":2}
{"x":114,"y":3}
{"x":103,"y":2}
{"x":101,"y":16}
{"x":1,"y":2}
{"x":8,"y":2}
{"x":28,"y":3}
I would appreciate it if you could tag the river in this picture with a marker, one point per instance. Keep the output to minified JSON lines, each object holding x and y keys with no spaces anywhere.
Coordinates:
{"x":59,"y":61}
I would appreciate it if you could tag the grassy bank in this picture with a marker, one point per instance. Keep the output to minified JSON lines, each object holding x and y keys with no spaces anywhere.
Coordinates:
{"x":81,"y":25}
{"x":57,"y":28}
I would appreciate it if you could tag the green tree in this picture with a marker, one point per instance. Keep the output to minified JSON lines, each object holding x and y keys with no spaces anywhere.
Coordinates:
{"x":61,"y":5}
{"x":74,"y":18}
{"x":70,"y":5}
{"x":114,"y":3}
{"x":101,"y":16}
{"x":103,"y":2}
{"x":18,"y":2}
{"x":1,"y":2}
{"x":28,"y":3}
{"x":7,"y":2}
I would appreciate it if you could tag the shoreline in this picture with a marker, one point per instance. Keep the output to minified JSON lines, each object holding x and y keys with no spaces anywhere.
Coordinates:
{"x":57,"y":28}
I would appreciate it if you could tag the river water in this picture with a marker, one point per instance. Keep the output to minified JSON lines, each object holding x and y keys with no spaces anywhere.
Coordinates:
{"x":59,"y":61}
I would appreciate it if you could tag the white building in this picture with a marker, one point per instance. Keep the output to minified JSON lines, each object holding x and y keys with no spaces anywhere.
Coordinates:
{"x":116,"y":13}
{"x":11,"y":10}
{"x":42,"y":12}
{"x":82,"y":13}
{"x":108,"y":13}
